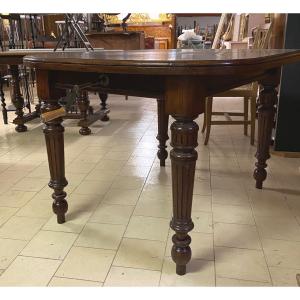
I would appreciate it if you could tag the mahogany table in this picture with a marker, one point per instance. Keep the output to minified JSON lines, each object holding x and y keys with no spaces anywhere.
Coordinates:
{"x":181,"y":79}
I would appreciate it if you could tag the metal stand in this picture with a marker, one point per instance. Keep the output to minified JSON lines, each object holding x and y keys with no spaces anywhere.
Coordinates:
{"x":72,"y":27}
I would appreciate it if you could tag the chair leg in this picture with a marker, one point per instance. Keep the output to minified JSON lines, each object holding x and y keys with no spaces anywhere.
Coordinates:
{"x":4,"y":111}
{"x":208,"y":110}
{"x":204,"y":119}
{"x":253,"y":118}
{"x":246,"y":108}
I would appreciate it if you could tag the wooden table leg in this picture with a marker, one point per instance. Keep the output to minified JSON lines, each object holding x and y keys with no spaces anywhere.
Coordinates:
{"x":162,"y":136}
{"x":83,"y":105}
{"x":54,"y":136}
{"x":17,"y":99}
{"x":266,"y":112}
{"x":103,"y":98}
{"x":3,"y":104}
{"x":184,"y":133}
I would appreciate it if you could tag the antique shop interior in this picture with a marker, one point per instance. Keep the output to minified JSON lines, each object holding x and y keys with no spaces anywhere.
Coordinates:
{"x":142,"y":149}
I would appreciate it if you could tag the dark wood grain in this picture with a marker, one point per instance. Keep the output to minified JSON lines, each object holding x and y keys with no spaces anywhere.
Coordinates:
{"x":181,"y":80}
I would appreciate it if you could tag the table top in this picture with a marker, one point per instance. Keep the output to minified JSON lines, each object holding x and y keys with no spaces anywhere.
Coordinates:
{"x":173,"y":61}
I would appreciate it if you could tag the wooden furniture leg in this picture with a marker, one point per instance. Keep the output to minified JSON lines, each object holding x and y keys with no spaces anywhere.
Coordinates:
{"x":246,"y":108}
{"x":204,"y":120}
{"x":266,"y":112}
{"x":253,"y":118}
{"x":162,"y":136}
{"x":54,"y":136}
{"x":184,"y":133}
{"x":103,"y":99}
{"x":208,"y":112}
{"x":3,"y":104}
{"x":83,"y":105}
{"x":17,"y":99}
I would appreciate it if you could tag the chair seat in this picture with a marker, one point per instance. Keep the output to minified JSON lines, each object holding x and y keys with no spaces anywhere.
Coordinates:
{"x":246,"y":90}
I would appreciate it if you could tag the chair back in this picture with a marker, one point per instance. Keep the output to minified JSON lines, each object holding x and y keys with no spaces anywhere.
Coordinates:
{"x":261,"y":34}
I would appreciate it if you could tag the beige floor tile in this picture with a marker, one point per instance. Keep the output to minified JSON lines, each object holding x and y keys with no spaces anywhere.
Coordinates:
{"x":21,"y":228}
{"x":284,"y":276}
{"x":230,"y":197}
{"x":68,"y":282}
{"x":142,"y":161}
{"x":129,"y":277}
{"x":202,"y":187}
{"x":6,"y":213}
{"x":15,"y":198}
{"x":269,"y":204}
{"x":229,"y":282}
{"x":27,"y":184}
{"x":142,"y":254}
{"x":227,"y":183}
{"x":93,"y":187}
{"x":148,"y":228}
{"x":36,"y":209}
{"x":109,"y":164}
{"x":281,"y":228}
{"x":202,"y":221}
{"x":9,"y":249}
{"x":122,"y":196}
{"x":242,"y":264}
{"x":118,"y":155}
{"x":202,"y":245}
{"x":128,"y":182}
{"x":75,"y":221}
{"x":279,"y":253}
{"x":152,"y":207}
{"x":112,"y":214}
{"x":236,"y":235}
{"x":82,"y":203}
{"x":202,"y":203}
{"x":86,"y":264}
{"x":50,"y":244}
{"x":29,"y":271}
{"x":12,"y":176}
{"x":105,"y":236}
{"x":233,"y":214}
{"x":80,"y":167}
{"x":199,"y":273}
{"x":128,"y":170}
{"x":101,"y":175}
{"x":157,"y":191}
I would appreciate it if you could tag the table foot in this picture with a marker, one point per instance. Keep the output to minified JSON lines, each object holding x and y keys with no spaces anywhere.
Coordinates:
{"x":60,"y":206}
{"x":183,"y":158}
{"x":266,"y":112}
{"x":21,"y":128}
{"x":85,"y":131}
{"x":162,"y":136}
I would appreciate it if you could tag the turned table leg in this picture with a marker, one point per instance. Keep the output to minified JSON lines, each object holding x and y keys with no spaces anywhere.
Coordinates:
{"x":162,"y":136}
{"x":184,"y":132}
{"x":103,"y":98}
{"x":17,"y":99}
{"x":83,"y":105}
{"x":54,"y":136}
{"x":266,"y":112}
{"x":3,"y":104}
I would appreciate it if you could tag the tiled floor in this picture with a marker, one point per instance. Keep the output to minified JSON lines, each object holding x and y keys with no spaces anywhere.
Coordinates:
{"x":117,"y":230}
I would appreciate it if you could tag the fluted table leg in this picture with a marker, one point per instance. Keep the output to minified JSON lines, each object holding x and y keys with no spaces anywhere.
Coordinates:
{"x":266,"y":112}
{"x":54,"y":136}
{"x":162,"y":136}
{"x":184,"y":133}
{"x":17,"y":99}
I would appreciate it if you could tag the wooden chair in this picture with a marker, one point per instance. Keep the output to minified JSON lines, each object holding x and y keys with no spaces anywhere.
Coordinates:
{"x":248,"y":92}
